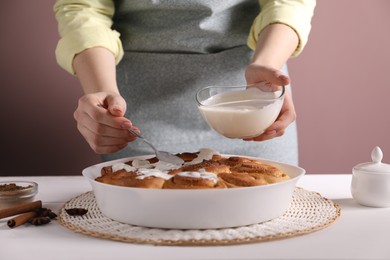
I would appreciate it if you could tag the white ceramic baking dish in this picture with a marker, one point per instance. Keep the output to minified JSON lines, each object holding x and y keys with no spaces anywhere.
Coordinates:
{"x":193,"y":209}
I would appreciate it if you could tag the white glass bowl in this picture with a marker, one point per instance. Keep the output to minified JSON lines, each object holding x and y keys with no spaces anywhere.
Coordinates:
{"x":193,"y":209}
{"x":240,"y":111}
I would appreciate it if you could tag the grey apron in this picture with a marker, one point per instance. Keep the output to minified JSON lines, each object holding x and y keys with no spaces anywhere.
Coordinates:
{"x":173,"y":48}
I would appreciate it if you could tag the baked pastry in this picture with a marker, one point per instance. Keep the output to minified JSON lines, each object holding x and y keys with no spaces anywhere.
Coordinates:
{"x":248,"y":172}
{"x":194,"y":180}
{"x":124,"y":174}
{"x":205,"y":169}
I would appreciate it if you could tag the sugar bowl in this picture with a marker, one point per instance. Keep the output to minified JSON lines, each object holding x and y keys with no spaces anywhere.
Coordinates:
{"x":371,"y":181}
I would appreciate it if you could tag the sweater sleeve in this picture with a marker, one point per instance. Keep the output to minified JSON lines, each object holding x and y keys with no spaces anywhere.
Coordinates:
{"x":84,"y":24}
{"x":296,"y":14}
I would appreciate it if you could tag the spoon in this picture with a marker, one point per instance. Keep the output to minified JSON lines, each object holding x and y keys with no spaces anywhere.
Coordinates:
{"x":161,"y":155}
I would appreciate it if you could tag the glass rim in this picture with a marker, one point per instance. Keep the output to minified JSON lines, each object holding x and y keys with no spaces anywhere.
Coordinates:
{"x":283,"y":91}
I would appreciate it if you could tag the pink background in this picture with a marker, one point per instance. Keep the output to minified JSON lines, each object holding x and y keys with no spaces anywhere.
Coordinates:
{"x":340,"y":86}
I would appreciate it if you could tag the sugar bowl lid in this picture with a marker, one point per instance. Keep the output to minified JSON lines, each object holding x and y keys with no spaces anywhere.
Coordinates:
{"x":376,"y":166}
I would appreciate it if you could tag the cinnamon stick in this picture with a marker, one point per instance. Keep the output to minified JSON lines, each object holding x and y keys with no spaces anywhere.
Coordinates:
{"x":21,"y":219}
{"x":19,"y":209}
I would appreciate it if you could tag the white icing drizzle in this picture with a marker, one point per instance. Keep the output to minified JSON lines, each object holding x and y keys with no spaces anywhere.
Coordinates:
{"x":204,"y":154}
{"x":122,"y":166}
{"x":144,"y":173}
{"x":200,"y":174}
{"x":142,"y":164}
{"x":146,"y":169}
{"x":160,"y":169}
{"x":163,"y":166}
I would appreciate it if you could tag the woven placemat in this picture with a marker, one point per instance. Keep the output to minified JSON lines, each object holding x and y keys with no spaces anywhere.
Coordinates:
{"x":308,"y":212}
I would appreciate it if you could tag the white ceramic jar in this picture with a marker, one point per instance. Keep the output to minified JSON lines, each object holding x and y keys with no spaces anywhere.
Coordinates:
{"x":371,"y":181}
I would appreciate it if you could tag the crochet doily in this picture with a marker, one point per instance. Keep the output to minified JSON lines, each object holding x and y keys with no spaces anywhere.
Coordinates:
{"x":308,"y":212}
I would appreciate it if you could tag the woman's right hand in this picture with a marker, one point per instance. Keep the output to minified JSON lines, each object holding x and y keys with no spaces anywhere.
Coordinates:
{"x":100,"y":120}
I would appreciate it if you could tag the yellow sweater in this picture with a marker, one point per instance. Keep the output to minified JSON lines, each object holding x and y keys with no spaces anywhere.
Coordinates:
{"x":86,"y":24}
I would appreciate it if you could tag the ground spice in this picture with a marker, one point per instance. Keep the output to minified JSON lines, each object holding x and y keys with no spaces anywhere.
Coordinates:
{"x":13,"y":187}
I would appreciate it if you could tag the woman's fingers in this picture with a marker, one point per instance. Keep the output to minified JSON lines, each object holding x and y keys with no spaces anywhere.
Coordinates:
{"x":256,"y":73}
{"x":101,"y":144}
{"x":272,"y":78}
{"x":286,"y":117}
{"x":97,"y":110}
{"x":116,"y":105}
{"x":100,"y":120}
{"x":100,"y":129}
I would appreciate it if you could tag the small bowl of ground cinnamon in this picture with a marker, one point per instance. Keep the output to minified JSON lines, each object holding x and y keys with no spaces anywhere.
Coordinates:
{"x":13,"y":193}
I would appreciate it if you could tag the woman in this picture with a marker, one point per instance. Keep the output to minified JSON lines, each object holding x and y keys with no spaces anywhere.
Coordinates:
{"x":167,"y":51}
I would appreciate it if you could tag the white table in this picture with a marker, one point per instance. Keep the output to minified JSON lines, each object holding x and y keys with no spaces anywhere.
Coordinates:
{"x":360,"y":233}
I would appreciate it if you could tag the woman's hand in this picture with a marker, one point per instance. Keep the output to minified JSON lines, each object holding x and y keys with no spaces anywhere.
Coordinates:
{"x":275,"y":45}
{"x":100,"y":120}
{"x":100,"y":112}
{"x":256,"y":73}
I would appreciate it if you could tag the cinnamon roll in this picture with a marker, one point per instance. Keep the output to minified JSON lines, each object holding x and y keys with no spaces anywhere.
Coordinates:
{"x":205,"y":169}
{"x":194,"y":180}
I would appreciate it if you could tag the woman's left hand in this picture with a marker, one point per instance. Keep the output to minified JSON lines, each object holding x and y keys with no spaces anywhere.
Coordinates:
{"x":254,"y":74}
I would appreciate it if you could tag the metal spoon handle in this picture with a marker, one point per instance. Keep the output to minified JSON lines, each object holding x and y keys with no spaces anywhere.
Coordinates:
{"x":143,"y":139}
